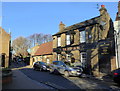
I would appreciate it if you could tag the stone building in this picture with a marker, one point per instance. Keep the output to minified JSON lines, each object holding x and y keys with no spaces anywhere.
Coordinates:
{"x":32,"y":52}
{"x":117,"y":36}
{"x":43,"y":53}
{"x":4,"y":48}
{"x":90,"y":43}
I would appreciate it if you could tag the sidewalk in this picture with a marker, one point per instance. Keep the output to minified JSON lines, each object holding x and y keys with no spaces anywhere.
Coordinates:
{"x":21,"y":81}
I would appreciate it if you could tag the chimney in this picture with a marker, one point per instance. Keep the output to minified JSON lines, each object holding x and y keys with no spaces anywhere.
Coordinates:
{"x":102,"y":9}
{"x":61,"y":27}
{"x":119,"y":7}
{"x":118,"y":13}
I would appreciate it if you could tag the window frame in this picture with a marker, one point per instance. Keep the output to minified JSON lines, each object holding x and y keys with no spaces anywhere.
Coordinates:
{"x":83,"y":36}
{"x":58,"y":41}
{"x":68,"y":39}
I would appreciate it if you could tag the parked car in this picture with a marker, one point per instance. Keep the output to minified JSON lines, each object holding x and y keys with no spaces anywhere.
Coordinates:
{"x":62,"y":68}
{"x":40,"y":66}
{"x":116,"y":76}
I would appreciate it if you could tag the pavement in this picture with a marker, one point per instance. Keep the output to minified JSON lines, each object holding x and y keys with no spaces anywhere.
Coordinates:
{"x":21,"y":81}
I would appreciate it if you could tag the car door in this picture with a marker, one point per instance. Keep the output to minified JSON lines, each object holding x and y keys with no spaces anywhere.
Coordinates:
{"x":61,"y":67}
{"x":37,"y":65}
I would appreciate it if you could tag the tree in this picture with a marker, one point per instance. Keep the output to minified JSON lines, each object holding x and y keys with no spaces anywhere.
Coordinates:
{"x":39,"y":38}
{"x":20,"y":46}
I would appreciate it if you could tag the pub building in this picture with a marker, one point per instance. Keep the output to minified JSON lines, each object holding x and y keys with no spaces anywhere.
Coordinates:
{"x":90,"y":43}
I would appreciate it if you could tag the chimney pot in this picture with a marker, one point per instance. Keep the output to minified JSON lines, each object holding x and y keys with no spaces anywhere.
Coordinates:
{"x":61,"y":22}
{"x":102,"y":5}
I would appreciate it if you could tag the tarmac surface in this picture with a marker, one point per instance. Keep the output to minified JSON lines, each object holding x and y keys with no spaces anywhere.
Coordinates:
{"x":21,"y":81}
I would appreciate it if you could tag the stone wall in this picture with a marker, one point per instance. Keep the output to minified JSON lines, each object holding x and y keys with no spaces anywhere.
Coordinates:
{"x":5,"y":46}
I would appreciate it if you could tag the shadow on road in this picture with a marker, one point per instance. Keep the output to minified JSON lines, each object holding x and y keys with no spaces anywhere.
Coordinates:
{"x":52,"y":80}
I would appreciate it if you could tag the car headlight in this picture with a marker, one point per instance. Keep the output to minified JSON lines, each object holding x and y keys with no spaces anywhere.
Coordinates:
{"x":44,"y":66}
{"x":73,"y":71}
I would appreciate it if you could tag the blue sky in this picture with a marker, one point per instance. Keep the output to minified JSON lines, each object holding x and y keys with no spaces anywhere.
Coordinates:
{"x":27,"y":18}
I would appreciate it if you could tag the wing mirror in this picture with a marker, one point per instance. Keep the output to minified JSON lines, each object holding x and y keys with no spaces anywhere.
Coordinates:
{"x":63,"y":65}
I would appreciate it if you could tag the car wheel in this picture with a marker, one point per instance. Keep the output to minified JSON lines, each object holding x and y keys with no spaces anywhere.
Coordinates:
{"x":55,"y":71}
{"x":66,"y":73}
{"x":34,"y":68}
{"x":40,"y":69}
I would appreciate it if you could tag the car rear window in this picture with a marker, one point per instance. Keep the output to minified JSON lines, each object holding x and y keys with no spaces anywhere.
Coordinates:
{"x":55,"y":63}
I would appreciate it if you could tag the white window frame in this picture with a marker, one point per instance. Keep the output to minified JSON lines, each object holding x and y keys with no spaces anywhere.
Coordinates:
{"x":59,"y":41}
{"x":58,"y":57}
{"x":68,"y":57}
{"x":83,"y":60}
{"x":48,"y":61}
{"x":67,"y":39}
{"x":82,"y":37}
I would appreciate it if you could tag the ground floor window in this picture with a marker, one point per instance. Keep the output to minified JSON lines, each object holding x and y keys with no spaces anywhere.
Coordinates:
{"x":48,"y":61}
{"x":68,"y":57}
{"x":83,"y":58}
{"x":58,"y":57}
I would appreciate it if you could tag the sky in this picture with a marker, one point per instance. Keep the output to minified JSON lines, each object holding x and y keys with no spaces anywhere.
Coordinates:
{"x":27,"y":18}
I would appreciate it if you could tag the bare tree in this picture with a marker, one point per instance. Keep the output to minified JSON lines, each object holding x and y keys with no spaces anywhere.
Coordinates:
{"x":47,"y":38}
{"x":39,"y":38}
{"x":20,"y":46}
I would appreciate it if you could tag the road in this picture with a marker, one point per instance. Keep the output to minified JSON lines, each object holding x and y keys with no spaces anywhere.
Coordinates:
{"x":61,"y":82}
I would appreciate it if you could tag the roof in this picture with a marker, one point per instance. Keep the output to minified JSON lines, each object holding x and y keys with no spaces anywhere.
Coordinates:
{"x":44,"y":49}
{"x":89,"y":22}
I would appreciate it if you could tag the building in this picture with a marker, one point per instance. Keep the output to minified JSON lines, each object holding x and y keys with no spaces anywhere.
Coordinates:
{"x":32,"y":53}
{"x":90,"y":43}
{"x":5,"y":52}
{"x":43,"y":53}
{"x":117,"y":36}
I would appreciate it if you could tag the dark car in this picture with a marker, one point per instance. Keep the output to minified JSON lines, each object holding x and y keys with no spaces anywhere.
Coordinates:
{"x":40,"y":66}
{"x":116,"y":76}
{"x":62,"y":68}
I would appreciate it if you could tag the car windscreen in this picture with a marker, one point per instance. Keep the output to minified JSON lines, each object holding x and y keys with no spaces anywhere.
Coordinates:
{"x":42,"y":63}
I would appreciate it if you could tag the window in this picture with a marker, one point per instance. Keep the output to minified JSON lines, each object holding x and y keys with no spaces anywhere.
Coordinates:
{"x":59,"y":41}
{"x":56,"y":63}
{"x":68,"y":57}
{"x":58,"y":56}
{"x":83,"y":58}
{"x":48,"y":61}
{"x":68,"y":39}
{"x":82,"y":37}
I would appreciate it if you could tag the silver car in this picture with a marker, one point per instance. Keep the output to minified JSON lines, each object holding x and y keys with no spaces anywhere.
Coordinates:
{"x":62,"y":68}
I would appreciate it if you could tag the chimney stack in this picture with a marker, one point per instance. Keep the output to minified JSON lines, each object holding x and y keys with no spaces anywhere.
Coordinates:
{"x":61,"y":27}
{"x":102,"y":9}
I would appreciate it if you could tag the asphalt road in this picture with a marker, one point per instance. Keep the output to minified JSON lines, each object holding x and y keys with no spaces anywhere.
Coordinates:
{"x":45,"y":77}
{"x":61,"y":82}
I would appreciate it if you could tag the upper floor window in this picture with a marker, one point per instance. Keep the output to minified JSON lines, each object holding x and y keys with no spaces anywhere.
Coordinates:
{"x":68,"y":39}
{"x":59,"y":41}
{"x":82,"y":37}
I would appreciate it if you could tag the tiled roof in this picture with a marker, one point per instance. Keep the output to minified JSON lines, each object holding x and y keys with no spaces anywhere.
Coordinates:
{"x":45,"y":48}
{"x":81,"y":24}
